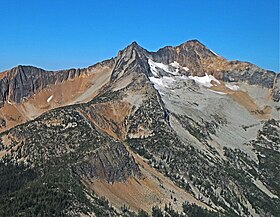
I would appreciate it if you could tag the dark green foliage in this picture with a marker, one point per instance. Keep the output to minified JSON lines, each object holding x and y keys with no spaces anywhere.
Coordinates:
{"x":269,"y":167}
{"x":52,"y":187}
{"x":55,"y":193}
{"x":126,"y":212}
{"x":156,"y":212}
{"x":257,"y":198}
{"x":13,"y":177}
{"x":268,"y":146}
{"x":46,"y":195}
{"x":171,"y":212}
{"x":142,"y":213}
{"x":193,"y":210}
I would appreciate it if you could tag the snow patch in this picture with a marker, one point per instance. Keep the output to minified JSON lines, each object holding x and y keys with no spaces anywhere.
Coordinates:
{"x":162,"y":82}
{"x":175,"y":64}
{"x":218,"y":92}
{"x":154,"y":66}
{"x":49,"y":99}
{"x":232,"y":87}
{"x":205,"y":80}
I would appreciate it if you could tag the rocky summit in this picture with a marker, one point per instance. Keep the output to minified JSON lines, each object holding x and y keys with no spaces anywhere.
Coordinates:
{"x":177,"y":132}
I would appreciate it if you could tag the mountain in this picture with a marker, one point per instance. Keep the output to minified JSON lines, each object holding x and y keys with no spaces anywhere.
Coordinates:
{"x":27,"y":92}
{"x":177,"y":132}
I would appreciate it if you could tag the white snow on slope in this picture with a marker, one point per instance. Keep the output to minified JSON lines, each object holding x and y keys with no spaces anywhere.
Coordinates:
{"x":154,"y":68}
{"x":49,"y":99}
{"x":172,"y":68}
{"x":162,"y":82}
{"x":155,"y":65}
{"x":232,"y":87}
{"x":205,"y":80}
{"x":175,"y":64}
{"x":218,"y":92}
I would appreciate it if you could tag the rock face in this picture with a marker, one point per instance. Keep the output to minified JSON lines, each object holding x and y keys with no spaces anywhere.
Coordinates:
{"x":110,"y":163}
{"x":21,"y":82}
{"x":252,"y":75}
{"x":133,"y":58}
{"x":191,"y":54}
{"x":51,"y":137}
{"x":276,"y":88}
{"x":28,"y":92}
{"x":200,"y":60}
{"x":180,"y":124}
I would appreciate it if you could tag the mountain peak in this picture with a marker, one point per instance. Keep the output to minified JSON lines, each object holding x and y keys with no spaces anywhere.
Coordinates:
{"x":132,"y":50}
{"x":132,"y":57}
{"x":195,"y":45}
{"x":194,"y":42}
{"x":134,"y":46}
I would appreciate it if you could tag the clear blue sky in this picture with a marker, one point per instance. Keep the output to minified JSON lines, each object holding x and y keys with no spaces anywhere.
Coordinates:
{"x":58,"y":34}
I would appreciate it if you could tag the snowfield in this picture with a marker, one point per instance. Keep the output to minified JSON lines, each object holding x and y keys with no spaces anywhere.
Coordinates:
{"x":205,"y":81}
{"x":161,"y":80}
{"x":232,"y":87}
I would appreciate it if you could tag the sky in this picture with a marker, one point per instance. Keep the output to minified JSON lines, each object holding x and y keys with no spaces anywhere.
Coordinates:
{"x":60,"y":34}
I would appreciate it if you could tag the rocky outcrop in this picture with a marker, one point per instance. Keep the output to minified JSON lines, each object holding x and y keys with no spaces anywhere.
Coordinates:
{"x":201,"y":60}
{"x":252,"y":75}
{"x":276,"y":88}
{"x":21,"y":82}
{"x":133,"y":58}
{"x":190,"y":54}
{"x":110,"y":117}
{"x":110,"y":163}
{"x":67,"y":134}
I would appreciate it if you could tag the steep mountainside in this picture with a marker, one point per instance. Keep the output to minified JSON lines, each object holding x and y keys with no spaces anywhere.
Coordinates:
{"x":27,"y":92}
{"x":181,"y":131}
{"x":200,"y":60}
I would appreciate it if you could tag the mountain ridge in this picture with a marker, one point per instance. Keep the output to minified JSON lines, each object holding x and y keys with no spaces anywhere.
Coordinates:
{"x":136,"y":44}
{"x":146,"y":130}
{"x":23,"y":83}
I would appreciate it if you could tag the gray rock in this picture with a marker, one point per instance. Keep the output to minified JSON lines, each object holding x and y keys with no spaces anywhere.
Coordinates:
{"x":22,"y":82}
